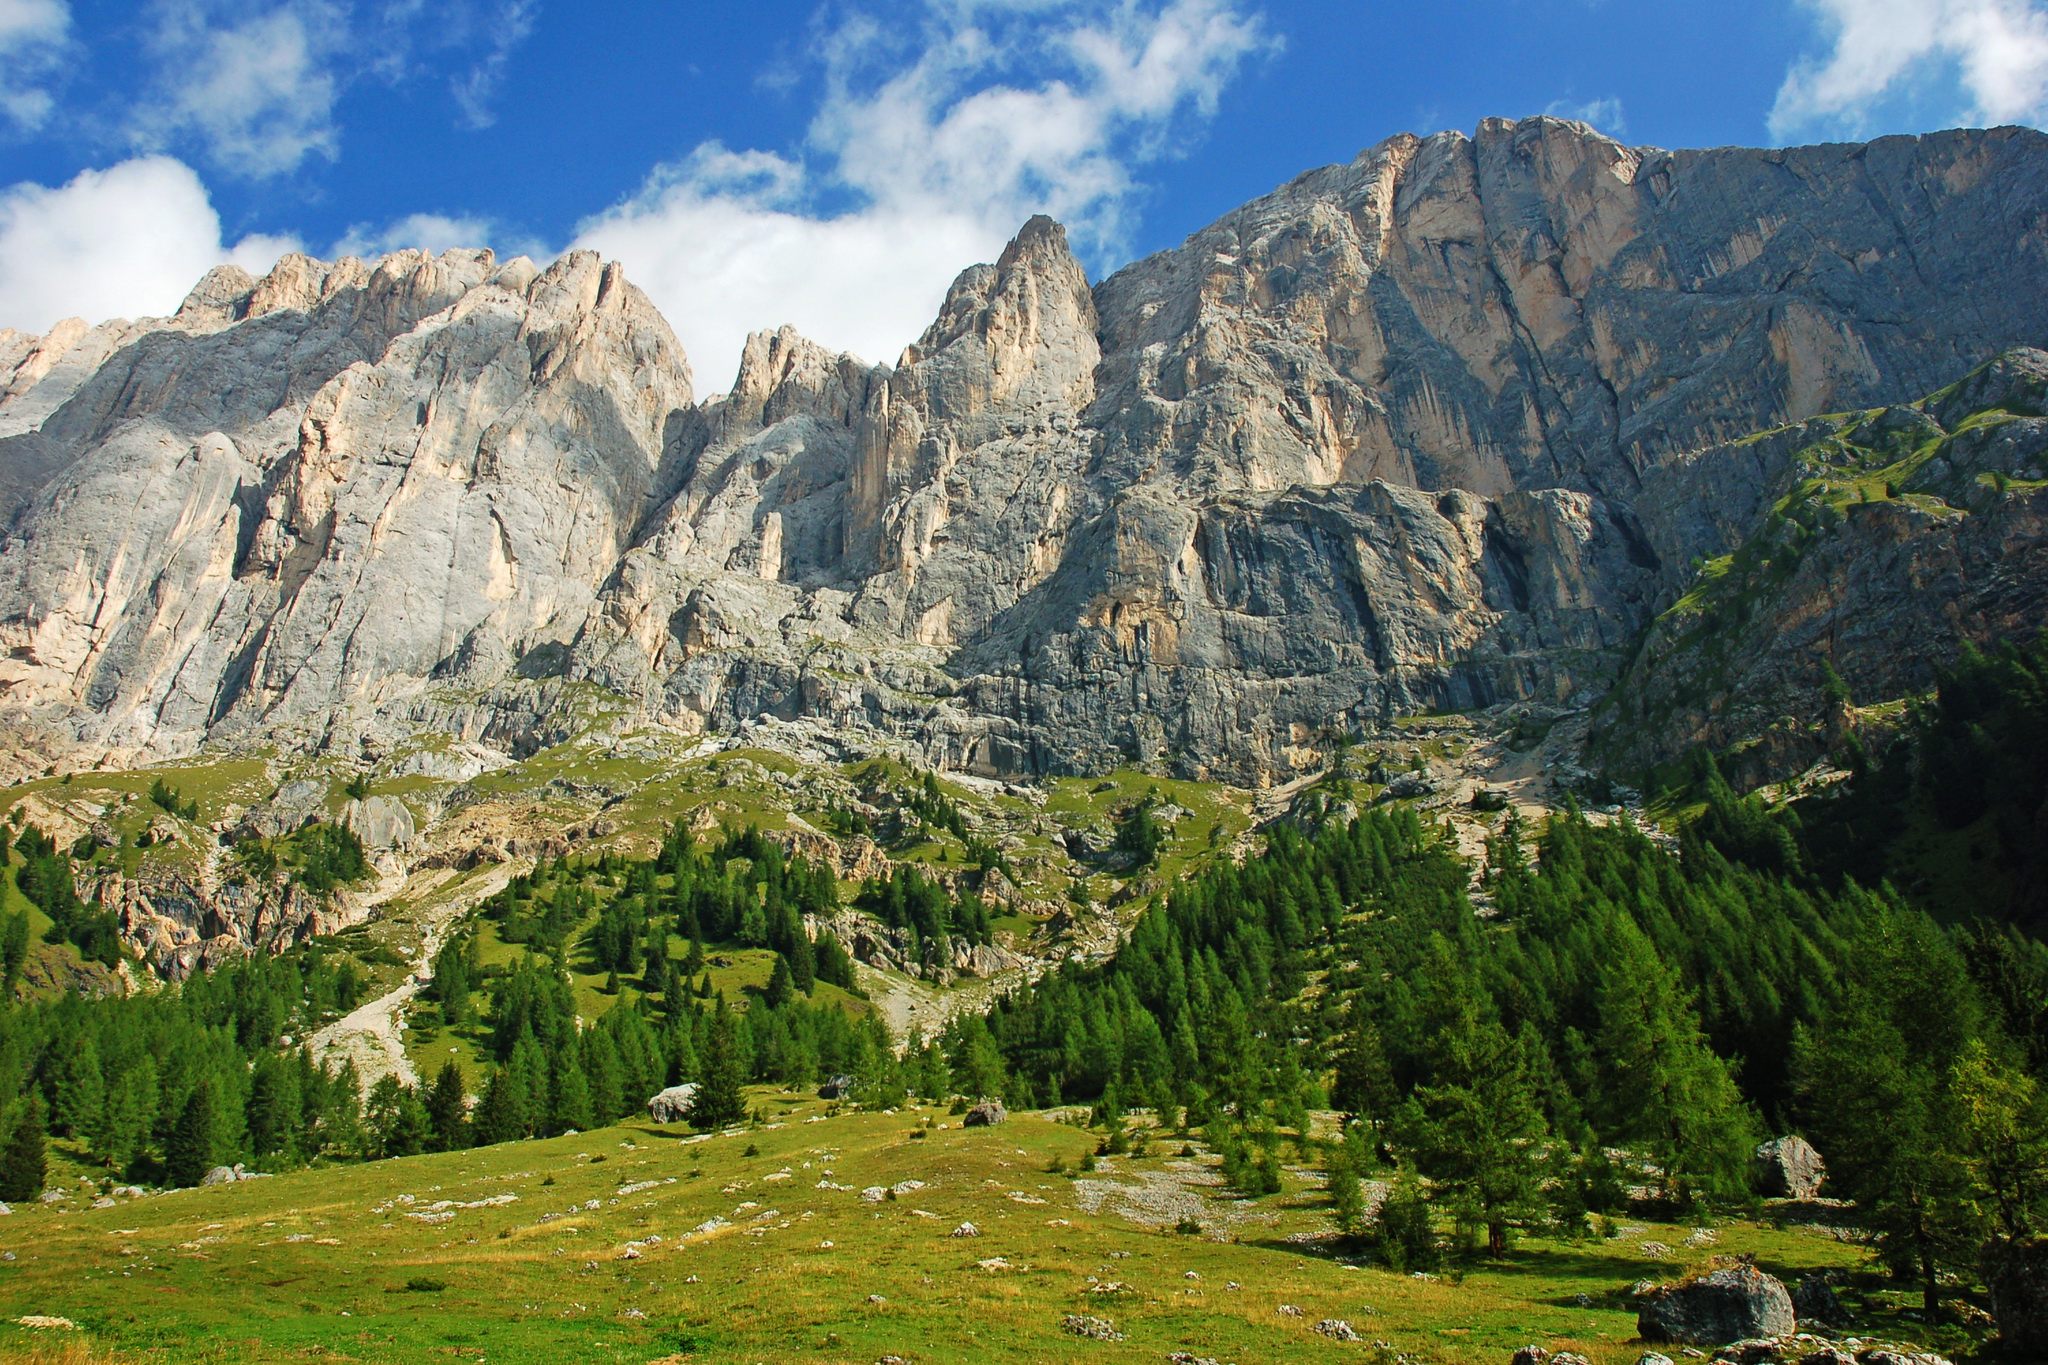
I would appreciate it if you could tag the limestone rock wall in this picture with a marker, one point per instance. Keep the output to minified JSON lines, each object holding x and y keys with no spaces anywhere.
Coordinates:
{"x":1442,"y":426}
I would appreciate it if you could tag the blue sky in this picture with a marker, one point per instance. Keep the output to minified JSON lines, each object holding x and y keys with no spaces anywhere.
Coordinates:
{"x":834,"y":165}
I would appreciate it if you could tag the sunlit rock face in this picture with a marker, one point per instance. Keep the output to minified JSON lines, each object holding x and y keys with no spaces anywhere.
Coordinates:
{"x":1389,"y":438}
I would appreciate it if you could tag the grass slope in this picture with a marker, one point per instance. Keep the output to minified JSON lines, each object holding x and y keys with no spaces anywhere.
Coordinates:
{"x":315,"y":1265}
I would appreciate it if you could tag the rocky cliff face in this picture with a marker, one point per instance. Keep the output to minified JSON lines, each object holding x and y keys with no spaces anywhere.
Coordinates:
{"x":1392,"y":437}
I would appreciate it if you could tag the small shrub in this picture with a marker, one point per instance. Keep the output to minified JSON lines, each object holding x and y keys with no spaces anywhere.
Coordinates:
{"x":1188,"y":1227}
{"x":752,"y":1150}
{"x":422,"y":1284}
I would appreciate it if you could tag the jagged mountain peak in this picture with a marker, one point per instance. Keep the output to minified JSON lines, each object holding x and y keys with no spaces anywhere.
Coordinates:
{"x":1385,"y":438}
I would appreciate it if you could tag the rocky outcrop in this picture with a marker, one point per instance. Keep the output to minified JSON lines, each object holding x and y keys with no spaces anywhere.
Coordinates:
{"x":1788,"y":1168}
{"x":1735,"y":1303}
{"x":1440,"y":427}
{"x":1876,"y":543}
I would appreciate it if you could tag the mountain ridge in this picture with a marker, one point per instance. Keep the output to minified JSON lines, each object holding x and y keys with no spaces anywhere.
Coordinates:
{"x":1374,"y":443}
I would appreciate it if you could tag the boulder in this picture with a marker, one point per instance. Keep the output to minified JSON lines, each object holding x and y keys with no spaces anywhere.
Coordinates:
{"x":838,"y":1088}
{"x":1530,"y":1355}
{"x":1653,"y":1358}
{"x":987,"y":1114}
{"x":1789,"y":1168}
{"x":380,"y":822}
{"x":219,"y":1175}
{"x":1814,"y":1302}
{"x":672,"y":1105}
{"x":1737,"y":1303}
{"x":2017,"y":1276}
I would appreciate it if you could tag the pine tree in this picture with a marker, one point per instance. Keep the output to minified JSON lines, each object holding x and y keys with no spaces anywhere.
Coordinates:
{"x":14,"y":946}
{"x":190,"y":1153}
{"x":654,"y":978}
{"x":273,"y":1110}
{"x":1475,"y":1130}
{"x":719,"y":1101}
{"x":780,"y":986}
{"x":447,"y":1115}
{"x":601,"y":1065}
{"x":571,"y":1094}
{"x":81,"y":1090}
{"x":1659,"y":1082}
{"x":1873,"y":1079}
{"x":501,"y":1114}
{"x":23,"y":1163}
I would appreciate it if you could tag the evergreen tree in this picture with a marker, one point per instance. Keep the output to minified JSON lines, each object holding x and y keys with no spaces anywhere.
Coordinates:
{"x":273,"y":1110}
{"x":14,"y":946}
{"x":80,"y":1091}
{"x":394,"y":1119}
{"x":192,"y":1148}
{"x":1659,"y":1082}
{"x":1873,"y":1077}
{"x":23,"y":1162}
{"x":780,"y":987}
{"x":719,"y":1102}
{"x":654,"y":975}
{"x":1474,"y":1131}
{"x":447,"y":1114}
{"x":571,"y":1095}
{"x":501,"y":1114}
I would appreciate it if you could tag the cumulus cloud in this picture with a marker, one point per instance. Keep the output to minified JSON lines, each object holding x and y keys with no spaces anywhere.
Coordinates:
{"x":128,"y":241}
{"x":254,"y":84}
{"x":938,"y":133}
{"x":433,"y":232}
{"x":33,"y":34}
{"x":1605,"y":114}
{"x":257,"y":89}
{"x":1964,"y":61}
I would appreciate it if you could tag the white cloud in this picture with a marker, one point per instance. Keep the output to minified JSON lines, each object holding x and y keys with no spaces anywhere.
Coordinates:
{"x":1986,"y":61}
{"x":32,"y":39}
{"x":258,"y":90}
{"x":254,"y":84}
{"x":477,"y":89}
{"x":1606,"y":114}
{"x":432,"y":232}
{"x":931,"y":147}
{"x":129,"y":241}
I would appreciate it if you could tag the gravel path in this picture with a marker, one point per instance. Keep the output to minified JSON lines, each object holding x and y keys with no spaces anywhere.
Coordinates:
{"x":369,"y":1036}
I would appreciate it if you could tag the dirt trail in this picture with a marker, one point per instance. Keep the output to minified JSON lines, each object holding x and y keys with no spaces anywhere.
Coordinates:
{"x":369,"y":1035}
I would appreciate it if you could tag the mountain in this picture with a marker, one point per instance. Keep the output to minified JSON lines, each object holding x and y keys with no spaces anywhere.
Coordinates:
{"x":1455,"y":424}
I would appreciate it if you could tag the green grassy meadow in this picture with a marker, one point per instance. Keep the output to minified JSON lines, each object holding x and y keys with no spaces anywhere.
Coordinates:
{"x":316,"y":1264}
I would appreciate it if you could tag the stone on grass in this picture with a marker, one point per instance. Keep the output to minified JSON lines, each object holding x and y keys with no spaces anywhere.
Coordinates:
{"x":1789,"y":1168}
{"x":1829,"y":1355}
{"x":672,"y":1105}
{"x":1737,"y":1303}
{"x":838,"y":1088}
{"x":1653,"y":1358}
{"x":219,"y":1175}
{"x":965,"y":1230}
{"x":1336,"y":1329}
{"x":1814,"y":1302}
{"x":987,"y":1114}
{"x":1096,"y":1329}
{"x":1530,"y":1355}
